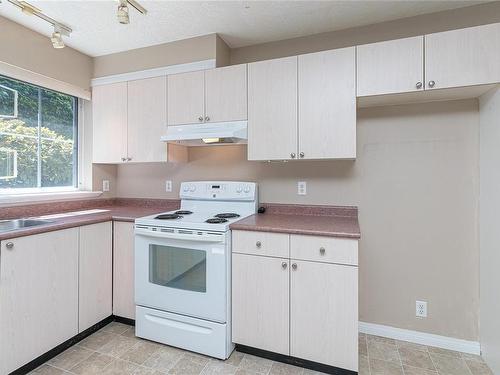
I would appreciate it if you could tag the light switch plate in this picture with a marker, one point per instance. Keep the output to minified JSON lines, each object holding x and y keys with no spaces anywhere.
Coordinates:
{"x":105,"y":185}
{"x":168,"y":186}
{"x":302,"y":188}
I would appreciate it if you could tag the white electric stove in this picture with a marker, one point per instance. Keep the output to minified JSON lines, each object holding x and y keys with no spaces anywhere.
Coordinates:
{"x":183,"y":267}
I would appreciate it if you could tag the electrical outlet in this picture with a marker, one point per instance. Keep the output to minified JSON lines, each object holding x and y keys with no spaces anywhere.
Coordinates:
{"x":105,"y":185}
{"x":168,"y":186}
{"x":421,"y":309}
{"x":302,"y":188}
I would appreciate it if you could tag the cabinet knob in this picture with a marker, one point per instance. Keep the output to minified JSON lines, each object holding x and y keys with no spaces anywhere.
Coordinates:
{"x":128,"y":159}
{"x":418,"y":85}
{"x":258,"y":244}
{"x":9,"y":245}
{"x":431,"y":83}
{"x":124,"y":159}
{"x":292,"y":155}
{"x":294,"y":266}
{"x":322,"y":250}
{"x":207,"y":118}
{"x":301,"y":154}
{"x":284,"y":265}
{"x":200,"y":119}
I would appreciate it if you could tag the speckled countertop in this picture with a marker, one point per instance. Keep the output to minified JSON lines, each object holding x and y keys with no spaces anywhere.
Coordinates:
{"x":330,"y":221}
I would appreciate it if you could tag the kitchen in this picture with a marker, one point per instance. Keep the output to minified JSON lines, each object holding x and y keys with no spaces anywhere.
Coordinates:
{"x":411,"y":162}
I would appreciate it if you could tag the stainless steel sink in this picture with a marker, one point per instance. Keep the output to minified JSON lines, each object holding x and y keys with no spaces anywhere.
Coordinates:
{"x":8,"y":225}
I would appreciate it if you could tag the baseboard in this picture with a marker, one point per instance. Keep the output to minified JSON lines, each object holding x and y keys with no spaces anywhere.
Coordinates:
{"x":429,"y":339}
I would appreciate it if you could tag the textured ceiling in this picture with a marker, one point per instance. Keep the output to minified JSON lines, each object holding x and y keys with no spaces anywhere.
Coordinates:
{"x":241,"y":23}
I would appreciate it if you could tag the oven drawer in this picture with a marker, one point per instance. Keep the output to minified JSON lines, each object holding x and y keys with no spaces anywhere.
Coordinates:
{"x":324,"y":249}
{"x":196,"y":335}
{"x":261,"y":243}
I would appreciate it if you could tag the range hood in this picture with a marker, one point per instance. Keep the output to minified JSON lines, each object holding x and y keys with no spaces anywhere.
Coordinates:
{"x":207,"y":134}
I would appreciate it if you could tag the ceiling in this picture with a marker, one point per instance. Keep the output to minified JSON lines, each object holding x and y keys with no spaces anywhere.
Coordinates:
{"x":241,"y":23}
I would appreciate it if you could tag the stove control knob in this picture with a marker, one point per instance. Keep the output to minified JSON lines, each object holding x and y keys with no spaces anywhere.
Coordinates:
{"x":239,"y":189}
{"x":247,"y":189}
{"x":192,"y":188}
{"x":185,"y":188}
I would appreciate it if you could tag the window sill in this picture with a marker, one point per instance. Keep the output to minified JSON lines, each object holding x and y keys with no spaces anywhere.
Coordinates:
{"x":8,"y":199}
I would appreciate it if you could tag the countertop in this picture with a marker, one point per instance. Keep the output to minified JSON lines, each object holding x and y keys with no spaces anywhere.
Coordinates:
{"x":309,"y":220}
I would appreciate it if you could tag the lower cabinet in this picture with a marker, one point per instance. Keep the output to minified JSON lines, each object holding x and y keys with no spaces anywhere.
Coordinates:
{"x":38,"y":295}
{"x":123,"y":270}
{"x":95,"y":270}
{"x":305,"y":308}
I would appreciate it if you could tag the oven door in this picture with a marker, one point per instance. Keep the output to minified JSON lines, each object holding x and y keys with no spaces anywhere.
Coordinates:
{"x":182,"y":271}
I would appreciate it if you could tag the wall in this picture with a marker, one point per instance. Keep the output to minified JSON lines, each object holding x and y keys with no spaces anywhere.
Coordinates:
{"x":416,"y":184}
{"x":489,"y":231}
{"x":29,"y":50}
{"x":418,"y":25}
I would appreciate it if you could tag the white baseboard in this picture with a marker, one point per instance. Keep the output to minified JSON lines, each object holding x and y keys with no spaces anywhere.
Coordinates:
{"x":429,"y":339}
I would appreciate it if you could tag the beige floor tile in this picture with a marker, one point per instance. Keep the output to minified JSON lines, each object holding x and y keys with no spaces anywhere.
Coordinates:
{"x":234,"y":359}
{"x":118,"y":346}
{"x":408,"y":370}
{"x":383,"y":351}
{"x":187,"y":366}
{"x":478,"y":368}
{"x":411,"y":345}
{"x":363,"y":365}
{"x":447,"y":365}
{"x":97,"y":340}
{"x":362,"y":346}
{"x":164,"y":359}
{"x":416,"y":358}
{"x":255,"y":364}
{"x":71,"y":357}
{"x":198,"y":358}
{"x":384,"y":340}
{"x":447,"y":352}
{"x":119,"y":367}
{"x":472,"y":357}
{"x":48,"y":370}
{"x":130,"y":332}
{"x":241,"y":371}
{"x":312,"y":372}
{"x":140,"y":352}
{"x":115,"y":327}
{"x":92,"y":365}
{"x":378,"y":367}
{"x":279,"y":368}
{"x":219,"y":368}
{"x":141,"y":370}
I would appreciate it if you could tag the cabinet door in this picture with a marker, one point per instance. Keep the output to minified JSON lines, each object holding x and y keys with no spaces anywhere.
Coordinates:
{"x":186,"y":98}
{"x":147,"y":119}
{"x":463,"y":57}
{"x":123,"y":270}
{"x":226,"y":93}
{"x":95,"y":270}
{"x":324,"y":313}
{"x":327,"y":104}
{"x":390,"y":67}
{"x":109,"y":113}
{"x":260,"y":302}
{"x":272,"y":109}
{"x":38,"y":295}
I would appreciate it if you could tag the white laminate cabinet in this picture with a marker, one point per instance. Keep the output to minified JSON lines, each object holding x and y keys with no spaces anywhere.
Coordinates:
{"x":147,"y":119}
{"x":260,"y":302}
{"x":38,"y":295}
{"x":109,"y":116}
{"x":324,"y":313}
{"x":327,"y":104}
{"x":186,"y":98}
{"x":95,"y":274}
{"x":324,"y":249}
{"x":261,"y":243}
{"x":123,"y":270}
{"x":390,"y":67}
{"x":272,"y":109}
{"x":463,"y":57}
{"x":226,"y":94}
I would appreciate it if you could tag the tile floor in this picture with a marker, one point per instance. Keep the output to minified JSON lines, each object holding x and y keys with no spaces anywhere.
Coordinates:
{"x":115,"y":350}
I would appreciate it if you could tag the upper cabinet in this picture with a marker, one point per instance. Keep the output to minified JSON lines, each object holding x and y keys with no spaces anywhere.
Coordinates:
{"x":216,"y":95}
{"x":303,"y":107}
{"x":463,"y":57}
{"x":390,"y":67}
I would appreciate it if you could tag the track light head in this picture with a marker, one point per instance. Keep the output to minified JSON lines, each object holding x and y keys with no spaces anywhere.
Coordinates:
{"x":56,"y":38}
{"x":122,"y":13}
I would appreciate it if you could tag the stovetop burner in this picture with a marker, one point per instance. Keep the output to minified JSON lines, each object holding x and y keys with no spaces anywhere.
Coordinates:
{"x":183,"y":212}
{"x":168,"y":216}
{"x":227,"y":215}
{"x":216,"y":220}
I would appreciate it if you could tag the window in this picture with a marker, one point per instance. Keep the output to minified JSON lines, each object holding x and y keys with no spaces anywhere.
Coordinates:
{"x":38,"y":137}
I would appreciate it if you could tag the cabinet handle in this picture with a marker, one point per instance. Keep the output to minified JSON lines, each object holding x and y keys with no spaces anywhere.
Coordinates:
{"x":283,"y":265}
{"x":418,"y":85}
{"x":431,"y":83}
{"x":124,"y":159}
{"x":200,"y":119}
{"x":301,"y":154}
{"x":322,"y":250}
{"x":292,"y":155}
{"x":9,"y":245}
{"x":129,"y":159}
{"x":258,"y":244}
{"x":294,"y":266}
{"x":207,"y":118}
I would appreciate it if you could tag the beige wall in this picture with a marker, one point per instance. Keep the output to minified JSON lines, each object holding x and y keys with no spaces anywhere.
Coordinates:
{"x":29,"y":50}
{"x":489,"y":229}
{"x":416,"y":184}
{"x":419,"y":25}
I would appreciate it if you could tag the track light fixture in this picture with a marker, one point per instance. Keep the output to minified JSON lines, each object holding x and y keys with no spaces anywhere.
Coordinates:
{"x":122,"y":13}
{"x":56,"y":38}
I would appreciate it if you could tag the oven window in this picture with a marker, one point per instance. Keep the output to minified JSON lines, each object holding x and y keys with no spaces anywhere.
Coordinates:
{"x":177,"y":267}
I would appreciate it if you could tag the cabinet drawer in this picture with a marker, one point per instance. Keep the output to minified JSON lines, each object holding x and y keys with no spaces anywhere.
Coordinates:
{"x":324,"y":249}
{"x":261,"y":243}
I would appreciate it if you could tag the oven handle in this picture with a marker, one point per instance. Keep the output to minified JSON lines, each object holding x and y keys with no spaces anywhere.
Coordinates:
{"x":182,"y":237}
